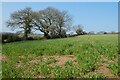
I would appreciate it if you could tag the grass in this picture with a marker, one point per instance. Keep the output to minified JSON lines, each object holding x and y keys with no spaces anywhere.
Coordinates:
{"x":33,"y":57}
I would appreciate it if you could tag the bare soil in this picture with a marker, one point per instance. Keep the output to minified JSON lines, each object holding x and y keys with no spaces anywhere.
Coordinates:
{"x":18,"y":64}
{"x":104,"y":70}
{"x":103,"y":67}
{"x":3,"y":58}
{"x":62,"y":59}
{"x":39,"y":76}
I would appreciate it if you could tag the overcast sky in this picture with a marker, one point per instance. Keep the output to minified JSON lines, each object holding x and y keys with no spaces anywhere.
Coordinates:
{"x":94,"y":16}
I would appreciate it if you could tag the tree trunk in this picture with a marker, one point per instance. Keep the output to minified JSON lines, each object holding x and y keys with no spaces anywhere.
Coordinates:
{"x":25,"y":34}
{"x":46,"y":35}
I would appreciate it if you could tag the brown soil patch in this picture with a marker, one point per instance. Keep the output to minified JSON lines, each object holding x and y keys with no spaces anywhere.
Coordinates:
{"x":33,"y":62}
{"x":21,"y":56}
{"x":18,"y":64}
{"x":36,"y":60}
{"x":3,"y":58}
{"x":103,"y":67}
{"x":39,"y":76}
{"x":31,"y":56}
{"x":106,"y":59}
{"x":61,"y":60}
{"x":104,"y":70}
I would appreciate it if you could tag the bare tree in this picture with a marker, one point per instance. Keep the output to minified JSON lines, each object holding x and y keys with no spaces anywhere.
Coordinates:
{"x":21,"y":19}
{"x":51,"y":22}
{"x":63,"y":23}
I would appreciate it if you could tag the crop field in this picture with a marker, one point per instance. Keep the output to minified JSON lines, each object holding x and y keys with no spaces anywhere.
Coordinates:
{"x":85,"y":56}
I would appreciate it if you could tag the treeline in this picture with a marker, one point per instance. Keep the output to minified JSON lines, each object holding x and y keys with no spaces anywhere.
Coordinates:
{"x":13,"y":37}
{"x":52,"y":22}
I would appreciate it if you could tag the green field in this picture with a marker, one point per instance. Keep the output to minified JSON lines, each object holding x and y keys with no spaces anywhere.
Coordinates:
{"x":86,"y":56}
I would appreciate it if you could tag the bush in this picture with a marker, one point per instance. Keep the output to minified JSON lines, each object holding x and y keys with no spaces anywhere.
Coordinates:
{"x":37,"y":37}
{"x":10,"y":37}
{"x":58,"y":36}
{"x":73,"y":35}
{"x":31,"y":38}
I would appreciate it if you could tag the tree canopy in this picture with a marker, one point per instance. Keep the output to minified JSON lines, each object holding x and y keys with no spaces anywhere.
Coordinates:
{"x":21,"y":19}
{"x":51,"y":21}
{"x":78,"y":29}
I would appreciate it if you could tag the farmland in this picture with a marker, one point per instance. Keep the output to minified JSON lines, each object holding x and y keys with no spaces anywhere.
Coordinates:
{"x":86,"y":56}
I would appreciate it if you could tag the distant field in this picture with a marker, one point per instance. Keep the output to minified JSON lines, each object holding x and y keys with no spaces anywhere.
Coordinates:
{"x":86,"y":56}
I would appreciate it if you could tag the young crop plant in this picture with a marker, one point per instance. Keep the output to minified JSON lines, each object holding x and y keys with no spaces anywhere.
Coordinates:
{"x":51,"y":60}
{"x":113,"y":66}
{"x":85,"y":54}
{"x":95,"y":76}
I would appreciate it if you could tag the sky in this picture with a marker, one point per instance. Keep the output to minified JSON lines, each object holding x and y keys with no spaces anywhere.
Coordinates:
{"x":93,"y":16}
{"x":59,"y":0}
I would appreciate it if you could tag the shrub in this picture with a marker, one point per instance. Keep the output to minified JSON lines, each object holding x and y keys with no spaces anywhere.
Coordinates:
{"x":37,"y":37}
{"x":31,"y":38}
{"x":10,"y":37}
